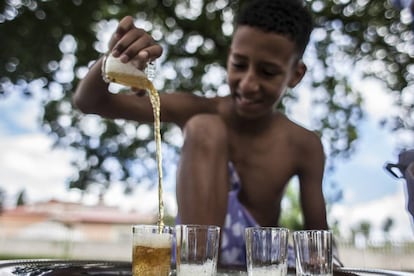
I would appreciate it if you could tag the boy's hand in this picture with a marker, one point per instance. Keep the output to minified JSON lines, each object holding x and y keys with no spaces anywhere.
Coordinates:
{"x":132,"y":43}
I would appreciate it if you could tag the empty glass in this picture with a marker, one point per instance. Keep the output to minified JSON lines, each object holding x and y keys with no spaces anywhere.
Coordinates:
{"x":267,"y":250}
{"x":197,"y":249}
{"x":313,"y":251}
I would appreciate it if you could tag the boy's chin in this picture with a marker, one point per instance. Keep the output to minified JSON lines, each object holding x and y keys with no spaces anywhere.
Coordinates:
{"x":249,"y":115}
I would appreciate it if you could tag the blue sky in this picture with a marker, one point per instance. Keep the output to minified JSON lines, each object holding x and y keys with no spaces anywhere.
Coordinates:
{"x":11,"y":109}
{"x":363,"y":176}
{"x":28,"y":162}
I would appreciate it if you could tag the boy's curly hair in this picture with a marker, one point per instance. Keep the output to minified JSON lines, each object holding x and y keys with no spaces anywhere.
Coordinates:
{"x":286,"y":17}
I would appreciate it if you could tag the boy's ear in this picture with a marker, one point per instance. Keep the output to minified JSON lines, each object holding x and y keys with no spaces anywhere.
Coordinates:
{"x":298,"y":73}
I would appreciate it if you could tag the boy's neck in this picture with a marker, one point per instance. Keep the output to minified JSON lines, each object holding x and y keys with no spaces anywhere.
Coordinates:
{"x":252,"y":125}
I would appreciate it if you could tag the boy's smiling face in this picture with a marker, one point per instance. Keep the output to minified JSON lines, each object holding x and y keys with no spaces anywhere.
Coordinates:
{"x":260,"y":66}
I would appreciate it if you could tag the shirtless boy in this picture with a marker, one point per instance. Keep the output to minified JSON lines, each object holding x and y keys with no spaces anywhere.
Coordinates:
{"x":239,"y":151}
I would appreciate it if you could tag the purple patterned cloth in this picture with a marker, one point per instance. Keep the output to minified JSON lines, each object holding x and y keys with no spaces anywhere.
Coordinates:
{"x":233,"y":242}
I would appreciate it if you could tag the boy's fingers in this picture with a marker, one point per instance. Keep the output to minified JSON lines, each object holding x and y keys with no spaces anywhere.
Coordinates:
{"x":143,"y":50}
{"x":126,"y":24}
{"x":151,"y":53}
{"x":147,"y":55}
{"x":119,"y":41}
{"x":131,"y":43}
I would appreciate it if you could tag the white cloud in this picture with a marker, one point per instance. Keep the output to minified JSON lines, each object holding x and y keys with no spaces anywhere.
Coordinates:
{"x":301,"y":110}
{"x":28,"y":162}
{"x":378,"y":104}
{"x":19,"y":112}
{"x":376,"y":212}
{"x":142,"y":199}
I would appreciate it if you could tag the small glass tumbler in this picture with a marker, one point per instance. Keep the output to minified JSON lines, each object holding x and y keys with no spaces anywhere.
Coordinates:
{"x":313,"y":251}
{"x":197,"y":249}
{"x":267,"y":250}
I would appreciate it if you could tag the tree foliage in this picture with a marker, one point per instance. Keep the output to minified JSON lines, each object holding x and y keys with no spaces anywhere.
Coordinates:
{"x":387,"y":225}
{"x":293,"y":219}
{"x":21,"y":198}
{"x":2,"y":200}
{"x":365,"y":229}
{"x":49,"y":44}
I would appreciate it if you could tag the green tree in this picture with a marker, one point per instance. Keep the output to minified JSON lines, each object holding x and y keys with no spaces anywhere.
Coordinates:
{"x":48,"y":45}
{"x":21,"y":198}
{"x":291,"y":215}
{"x":365,"y":229}
{"x":2,"y":200}
{"x":387,"y":226}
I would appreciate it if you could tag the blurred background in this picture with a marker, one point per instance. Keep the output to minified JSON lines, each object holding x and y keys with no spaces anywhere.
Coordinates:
{"x":71,"y":185}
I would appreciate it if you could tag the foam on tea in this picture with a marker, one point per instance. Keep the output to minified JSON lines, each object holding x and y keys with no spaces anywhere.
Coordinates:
{"x":153,"y":240}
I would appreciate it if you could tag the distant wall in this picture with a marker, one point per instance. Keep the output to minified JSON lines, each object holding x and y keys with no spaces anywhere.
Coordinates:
{"x":394,"y":256}
{"x":120,"y":251}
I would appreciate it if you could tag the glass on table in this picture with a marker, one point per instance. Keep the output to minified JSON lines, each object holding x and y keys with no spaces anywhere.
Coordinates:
{"x":267,"y":250}
{"x":197,"y":249}
{"x":313,"y":252}
{"x":151,"y":251}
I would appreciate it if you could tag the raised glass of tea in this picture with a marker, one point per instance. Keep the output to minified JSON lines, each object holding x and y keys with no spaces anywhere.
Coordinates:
{"x":128,"y":74}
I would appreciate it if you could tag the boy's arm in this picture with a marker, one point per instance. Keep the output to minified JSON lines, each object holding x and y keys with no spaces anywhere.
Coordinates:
{"x":92,"y":97}
{"x":312,"y":199}
{"x":127,"y":43}
{"x":310,"y":177}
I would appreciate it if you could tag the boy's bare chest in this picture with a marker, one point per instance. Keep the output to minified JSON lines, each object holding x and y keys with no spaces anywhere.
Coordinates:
{"x":263,"y":163}
{"x":264,"y":171}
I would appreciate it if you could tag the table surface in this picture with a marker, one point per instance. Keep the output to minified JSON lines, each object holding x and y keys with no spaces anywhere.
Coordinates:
{"x":92,"y":267}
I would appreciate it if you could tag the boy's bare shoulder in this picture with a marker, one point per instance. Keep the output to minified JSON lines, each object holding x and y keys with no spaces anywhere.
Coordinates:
{"x":305,"y":147}
{"x":299,"y":134}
